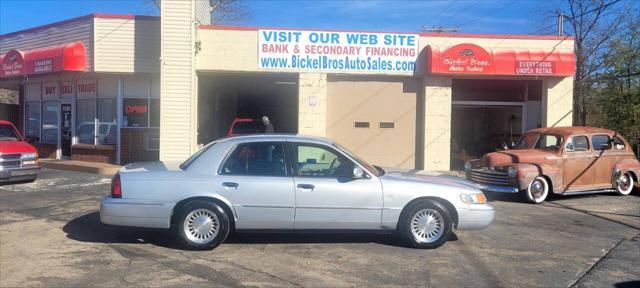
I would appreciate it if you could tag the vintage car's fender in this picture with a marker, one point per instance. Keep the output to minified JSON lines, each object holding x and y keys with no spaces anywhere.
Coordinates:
{"x":528,"y":171}
{"x":624,"y":166}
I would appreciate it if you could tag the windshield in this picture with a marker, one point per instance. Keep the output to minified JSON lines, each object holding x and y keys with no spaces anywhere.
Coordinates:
{"x":374,"y":169}
{"x":526,"y":141}
{"x":539,"y":141}
{"x":7,"y":133}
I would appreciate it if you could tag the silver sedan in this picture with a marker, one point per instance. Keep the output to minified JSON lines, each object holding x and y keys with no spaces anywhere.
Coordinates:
{"x":286,"y":182}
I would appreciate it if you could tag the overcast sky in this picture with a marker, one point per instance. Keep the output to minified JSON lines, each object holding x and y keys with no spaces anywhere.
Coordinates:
{"x":471,"y":16}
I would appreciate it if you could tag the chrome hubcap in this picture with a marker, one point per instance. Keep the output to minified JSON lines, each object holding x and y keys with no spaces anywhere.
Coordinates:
{"x":427,"y":226}
{"x":537,"y":189}
{"x":201,"y":226}
{"x":623,"y":182}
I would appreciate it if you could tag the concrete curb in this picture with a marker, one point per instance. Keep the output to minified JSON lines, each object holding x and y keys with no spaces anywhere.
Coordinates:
{"x":80,"y":166}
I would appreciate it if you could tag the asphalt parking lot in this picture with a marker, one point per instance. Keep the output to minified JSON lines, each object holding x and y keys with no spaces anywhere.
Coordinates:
{"x":50,"y":235}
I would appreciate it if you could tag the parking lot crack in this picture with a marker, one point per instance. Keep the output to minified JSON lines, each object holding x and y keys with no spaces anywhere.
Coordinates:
{"x":266,"y":273}
{"x":594,"y":214}
{"x":574,"y":284}
{"x":185,"y":267}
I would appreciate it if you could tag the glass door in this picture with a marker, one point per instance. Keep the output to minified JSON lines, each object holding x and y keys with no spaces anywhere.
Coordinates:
{"x":66,"y":130}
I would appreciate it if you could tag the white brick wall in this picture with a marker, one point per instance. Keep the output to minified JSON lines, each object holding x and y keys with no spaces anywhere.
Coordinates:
{"x":312,"y":119}
{"x":437,"y":123}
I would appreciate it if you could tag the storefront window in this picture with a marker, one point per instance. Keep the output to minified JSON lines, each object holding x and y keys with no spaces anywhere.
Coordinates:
{"x":33,"y":121}
{"x":135,"y":112}
{"x":85,"y":121}
{"x":49,"y":122}
{"x":107,"y":126}
{"x":155,"y":112}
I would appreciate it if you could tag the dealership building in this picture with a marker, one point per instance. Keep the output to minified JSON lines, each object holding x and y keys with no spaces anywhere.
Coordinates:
{"x":123,"y":88}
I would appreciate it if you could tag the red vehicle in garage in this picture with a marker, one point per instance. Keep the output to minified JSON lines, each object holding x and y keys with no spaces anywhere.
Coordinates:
{"x":243,"y":126}
{"x":18,"y":159}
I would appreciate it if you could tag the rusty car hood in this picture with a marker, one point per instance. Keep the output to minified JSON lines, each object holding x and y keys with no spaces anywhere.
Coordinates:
{"x":502,"y":158}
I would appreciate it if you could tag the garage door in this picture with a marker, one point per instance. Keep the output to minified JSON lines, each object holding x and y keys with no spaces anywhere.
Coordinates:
{"x":375,"y":117}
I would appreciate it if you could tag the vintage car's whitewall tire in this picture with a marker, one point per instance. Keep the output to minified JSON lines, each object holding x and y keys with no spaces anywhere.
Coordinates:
{"x":624,"y":184}
{"x":426,"y":224}
{"x":537,"y":191}
{"x":202,"y":224}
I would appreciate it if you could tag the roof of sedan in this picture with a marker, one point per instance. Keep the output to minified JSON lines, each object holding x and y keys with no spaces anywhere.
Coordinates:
{"x":278,"y":136}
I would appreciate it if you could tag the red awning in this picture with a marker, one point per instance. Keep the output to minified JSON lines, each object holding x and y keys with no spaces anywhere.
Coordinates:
{"x":66,"y":57}
{"x":471,"y":59}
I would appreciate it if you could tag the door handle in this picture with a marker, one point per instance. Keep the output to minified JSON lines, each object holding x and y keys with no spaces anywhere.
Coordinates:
{"x":230,"y":184}
{"x":306,"y":186}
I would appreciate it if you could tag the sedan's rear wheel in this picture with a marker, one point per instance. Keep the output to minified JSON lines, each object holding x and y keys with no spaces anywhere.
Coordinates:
{"x":202,"y":225}
{"x":537,"y":191}
{"x":624,"y":184}
{"x":425,"y":224}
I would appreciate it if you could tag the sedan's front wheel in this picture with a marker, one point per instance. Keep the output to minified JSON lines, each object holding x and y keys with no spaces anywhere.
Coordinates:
{"x":425,"y":224}
{"x":202,"y":225}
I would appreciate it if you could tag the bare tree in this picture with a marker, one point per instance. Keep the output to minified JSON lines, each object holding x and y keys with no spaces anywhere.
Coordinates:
{"x":222,"y":11}
{"x":228,"y":11}
{"x":593,"y":24}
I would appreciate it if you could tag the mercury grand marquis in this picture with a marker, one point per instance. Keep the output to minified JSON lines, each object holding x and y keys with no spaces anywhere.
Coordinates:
{"x":288,"y":182}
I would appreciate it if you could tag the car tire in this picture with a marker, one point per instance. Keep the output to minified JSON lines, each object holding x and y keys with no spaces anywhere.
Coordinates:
{"x":624,"y":184}
{"x":425,"y":224}
{"x":202,"y":225}
{"x":537,"y":191}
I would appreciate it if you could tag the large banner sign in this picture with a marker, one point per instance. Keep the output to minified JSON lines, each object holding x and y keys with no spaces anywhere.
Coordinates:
{"x":337,"y":51}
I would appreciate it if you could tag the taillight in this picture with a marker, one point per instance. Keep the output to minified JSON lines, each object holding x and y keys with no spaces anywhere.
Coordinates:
{"x":116,"y":187}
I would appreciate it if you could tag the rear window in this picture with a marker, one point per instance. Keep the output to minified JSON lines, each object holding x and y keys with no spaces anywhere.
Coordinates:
{"x":248,"y":127}
{"x":618,"y":144}
{"x":7,"y":133}
{"x":195,"y":156}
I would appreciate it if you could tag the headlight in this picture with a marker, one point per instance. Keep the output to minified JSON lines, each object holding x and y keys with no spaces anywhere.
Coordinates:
{"x":512,"y":172}
{"x":467,"y":166}
{"x":29,"y":156}
{"x":478,"y":198}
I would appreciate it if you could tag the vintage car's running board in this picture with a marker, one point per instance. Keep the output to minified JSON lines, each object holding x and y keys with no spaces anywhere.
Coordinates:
{"x":590,"y":191}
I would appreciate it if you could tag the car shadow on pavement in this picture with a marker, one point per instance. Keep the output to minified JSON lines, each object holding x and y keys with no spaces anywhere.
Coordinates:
{"x":88,"y":228}
{"x":320,"y":237}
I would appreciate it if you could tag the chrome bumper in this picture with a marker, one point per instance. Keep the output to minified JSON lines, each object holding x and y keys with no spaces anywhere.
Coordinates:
{"x":12,"y":174}
{"x":497,"y":188}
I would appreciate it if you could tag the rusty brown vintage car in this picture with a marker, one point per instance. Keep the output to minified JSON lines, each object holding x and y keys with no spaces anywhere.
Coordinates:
{"x":560,"y":160}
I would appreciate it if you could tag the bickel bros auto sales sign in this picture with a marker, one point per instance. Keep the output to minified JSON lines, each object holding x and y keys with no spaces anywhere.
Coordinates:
{"x":337,"y":51}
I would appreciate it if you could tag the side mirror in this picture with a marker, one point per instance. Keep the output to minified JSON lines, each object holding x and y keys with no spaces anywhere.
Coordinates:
{"x":358,"y":173}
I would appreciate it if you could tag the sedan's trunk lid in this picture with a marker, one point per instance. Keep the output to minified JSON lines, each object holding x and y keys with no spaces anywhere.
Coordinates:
{"x":156,"y":166}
